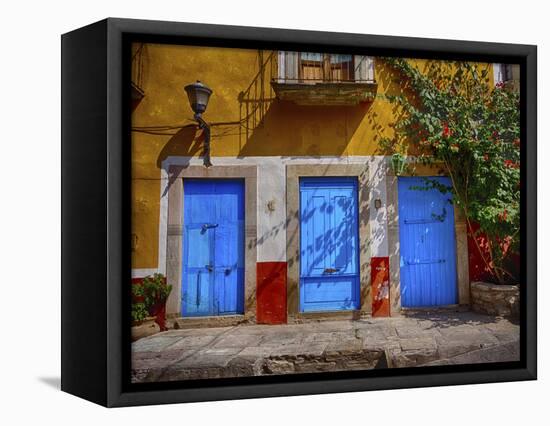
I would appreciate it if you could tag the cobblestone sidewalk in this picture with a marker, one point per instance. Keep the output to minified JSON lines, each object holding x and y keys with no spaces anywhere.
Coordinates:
{"x":415,"y":340}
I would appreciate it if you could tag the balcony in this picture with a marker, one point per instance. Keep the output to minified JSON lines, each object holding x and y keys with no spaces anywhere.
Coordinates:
{"x":324,"y":79}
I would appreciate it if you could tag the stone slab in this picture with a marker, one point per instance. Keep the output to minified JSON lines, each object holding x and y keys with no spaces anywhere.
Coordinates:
{"x":415,"y":339}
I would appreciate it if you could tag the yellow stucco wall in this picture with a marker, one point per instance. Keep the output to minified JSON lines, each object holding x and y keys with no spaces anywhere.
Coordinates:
{"x":285,"y":129}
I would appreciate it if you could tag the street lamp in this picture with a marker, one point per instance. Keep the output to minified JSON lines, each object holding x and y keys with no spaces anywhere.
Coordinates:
{"x":198,"y":95}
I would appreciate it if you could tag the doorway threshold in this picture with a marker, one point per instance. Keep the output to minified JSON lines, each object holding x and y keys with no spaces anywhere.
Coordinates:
{"x":175,"y":323}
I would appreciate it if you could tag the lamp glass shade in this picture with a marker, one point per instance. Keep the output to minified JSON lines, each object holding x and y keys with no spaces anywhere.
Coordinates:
{"x":198,"y":94}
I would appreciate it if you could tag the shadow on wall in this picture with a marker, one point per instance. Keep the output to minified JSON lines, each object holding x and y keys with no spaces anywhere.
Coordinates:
{"x":295,"y":130}
{"x":395,"y":84}
{"x":368,"y":193}
{"x":267,"y":126}
{"x":185,"y":143}
{"x":335,"y":241}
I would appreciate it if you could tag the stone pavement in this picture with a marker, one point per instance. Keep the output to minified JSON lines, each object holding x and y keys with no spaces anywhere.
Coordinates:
{"x":417,"y":339}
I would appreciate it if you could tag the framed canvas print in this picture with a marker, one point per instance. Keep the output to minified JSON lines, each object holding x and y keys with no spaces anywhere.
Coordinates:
{"x":253,"y":212}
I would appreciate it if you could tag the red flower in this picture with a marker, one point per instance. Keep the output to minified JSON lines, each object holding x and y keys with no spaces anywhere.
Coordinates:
{"x":446,"y":131}
{"x":499,"y":85}
{"x":502,"y":216}
{"x":486,"y":157}
{"x":511,"y":164}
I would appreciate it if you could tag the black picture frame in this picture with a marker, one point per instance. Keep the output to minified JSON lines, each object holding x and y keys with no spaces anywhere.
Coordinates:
{"x":96,"y":226}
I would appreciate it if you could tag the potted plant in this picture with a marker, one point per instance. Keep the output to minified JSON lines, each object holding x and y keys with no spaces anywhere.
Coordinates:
{"x":154,"y":292}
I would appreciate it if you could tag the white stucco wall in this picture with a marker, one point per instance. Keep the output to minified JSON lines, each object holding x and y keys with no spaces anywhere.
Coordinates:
{"x":378,"y":218}
{"x":271,"y":214}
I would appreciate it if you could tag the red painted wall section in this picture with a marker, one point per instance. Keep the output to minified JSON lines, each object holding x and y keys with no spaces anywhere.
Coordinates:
{"x":380,"y":281}
{"x":271,"y":292}
{"x":476,"y":266}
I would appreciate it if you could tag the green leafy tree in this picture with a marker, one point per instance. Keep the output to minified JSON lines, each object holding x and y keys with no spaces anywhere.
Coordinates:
{"x":450,"y":117}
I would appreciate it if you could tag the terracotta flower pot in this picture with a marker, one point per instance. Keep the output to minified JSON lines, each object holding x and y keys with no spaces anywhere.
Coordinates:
{"x":159,"y":311}
{"x":145,"y":328}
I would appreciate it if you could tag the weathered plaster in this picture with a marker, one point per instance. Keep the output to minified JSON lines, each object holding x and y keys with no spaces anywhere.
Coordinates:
{"x":271,"y":210}
{"x":271,"y":224}
{"x":378,"y":217}
{"x":393,"y":243}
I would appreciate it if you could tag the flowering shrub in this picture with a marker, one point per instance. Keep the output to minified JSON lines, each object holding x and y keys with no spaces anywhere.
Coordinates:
{"x":451,"y":118}
{"x":150,"y":292}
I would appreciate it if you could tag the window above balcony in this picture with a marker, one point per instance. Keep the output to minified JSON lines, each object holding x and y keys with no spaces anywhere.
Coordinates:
{"x":324,"y":79}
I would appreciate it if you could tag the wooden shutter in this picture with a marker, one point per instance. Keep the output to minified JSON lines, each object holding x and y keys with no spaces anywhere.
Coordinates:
{"x":364,"y":68}
{"x":288,"y":67}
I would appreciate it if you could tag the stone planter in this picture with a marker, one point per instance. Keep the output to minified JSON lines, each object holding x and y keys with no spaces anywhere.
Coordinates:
{"x":147,"y":327}
{"x":495,"y":299}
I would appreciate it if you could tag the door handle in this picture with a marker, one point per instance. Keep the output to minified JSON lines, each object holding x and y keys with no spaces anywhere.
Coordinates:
{"x":424,"y":262}
{"x":209,"y":268}
{"x":209,"y":225}
{"x":331,"y":270}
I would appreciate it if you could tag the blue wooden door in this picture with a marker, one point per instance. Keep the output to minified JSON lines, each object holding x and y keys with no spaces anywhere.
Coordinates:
{"x":213,"y":247}
{"x":329,"y":273}
{"x":427,"y":244}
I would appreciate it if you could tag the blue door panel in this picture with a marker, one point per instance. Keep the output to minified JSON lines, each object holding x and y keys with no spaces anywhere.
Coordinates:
{"x":198,"y":293}
{"x":344,"y":226}
{"x":427,"y":244}
{"x":329,"y":276}
{"x":321,"y":294}
{"x":201,"y":253}
{"x":213,"y":251}
{"x":318,"y":257}
{"x":198,"y":287}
